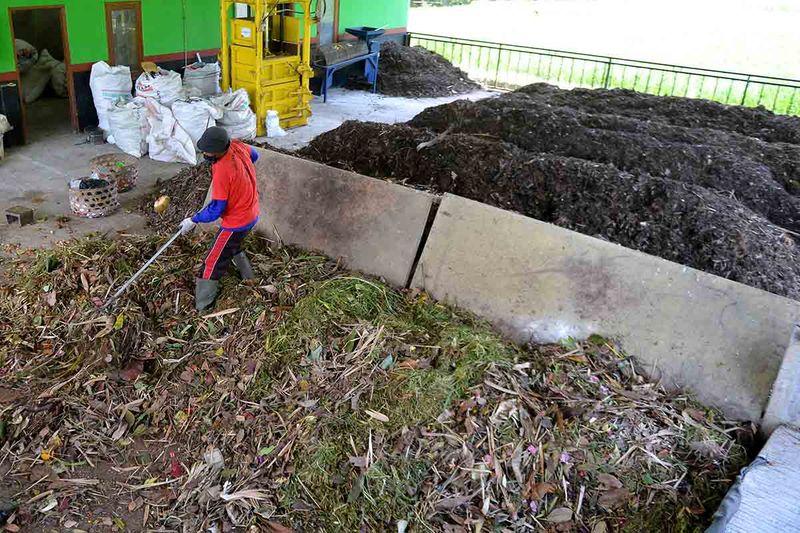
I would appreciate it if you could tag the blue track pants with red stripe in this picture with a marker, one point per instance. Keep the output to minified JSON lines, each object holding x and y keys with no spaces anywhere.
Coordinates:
{"x":226,"y":245}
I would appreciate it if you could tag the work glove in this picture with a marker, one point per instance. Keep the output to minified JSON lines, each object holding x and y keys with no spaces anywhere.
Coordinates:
{"x":187,"y":225}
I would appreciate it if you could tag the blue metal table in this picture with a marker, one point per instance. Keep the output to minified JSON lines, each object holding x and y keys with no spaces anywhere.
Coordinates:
{"x":370,"y":60}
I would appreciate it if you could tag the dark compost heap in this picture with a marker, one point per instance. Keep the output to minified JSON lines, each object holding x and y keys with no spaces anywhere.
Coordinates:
{"x":689,"y":112}
{"x":187,"y":191}
{"x":417,"y":72}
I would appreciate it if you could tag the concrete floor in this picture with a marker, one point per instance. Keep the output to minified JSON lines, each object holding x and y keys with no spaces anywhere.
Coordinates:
{"x":36,"y":175}
{"x":345,"y":105}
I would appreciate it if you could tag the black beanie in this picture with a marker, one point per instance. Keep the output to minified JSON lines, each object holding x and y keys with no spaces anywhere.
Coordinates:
{"x":215,"y":140}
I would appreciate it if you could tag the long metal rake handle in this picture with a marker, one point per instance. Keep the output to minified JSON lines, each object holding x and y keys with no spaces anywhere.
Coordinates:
{"x":150,"y":261}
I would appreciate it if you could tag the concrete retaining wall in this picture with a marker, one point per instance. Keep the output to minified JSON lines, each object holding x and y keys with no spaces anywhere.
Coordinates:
{"x":374,"y":226}
{"x":719,"y":339}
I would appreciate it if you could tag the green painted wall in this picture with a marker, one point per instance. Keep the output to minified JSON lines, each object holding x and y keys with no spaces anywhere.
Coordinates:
{"x":376,"y":13}
{"x":85,"y":25}
{"x":162,"y":27}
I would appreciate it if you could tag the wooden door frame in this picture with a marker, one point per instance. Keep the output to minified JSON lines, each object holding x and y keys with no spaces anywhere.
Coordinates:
{"x":62,"y":20}
{"x":113,"y":6}
{"x":335,"y":21}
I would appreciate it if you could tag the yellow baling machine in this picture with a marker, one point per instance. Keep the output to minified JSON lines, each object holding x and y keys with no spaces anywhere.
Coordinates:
{"x":266,"y":50}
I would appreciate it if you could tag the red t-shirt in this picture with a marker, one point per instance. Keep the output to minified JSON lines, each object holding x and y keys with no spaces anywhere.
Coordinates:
{"x":233,"y":179}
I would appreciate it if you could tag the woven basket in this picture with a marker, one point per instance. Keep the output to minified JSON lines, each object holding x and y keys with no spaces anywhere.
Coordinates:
{"x":94,"y":203}
{"x":121,"y":168}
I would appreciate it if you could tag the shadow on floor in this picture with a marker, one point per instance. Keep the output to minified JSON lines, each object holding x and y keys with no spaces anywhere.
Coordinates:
{"x":47,"y":116}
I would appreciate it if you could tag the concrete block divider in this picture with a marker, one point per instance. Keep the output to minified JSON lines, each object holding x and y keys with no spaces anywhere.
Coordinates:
{"x":720,"y":340}
{"x":374,"y":226}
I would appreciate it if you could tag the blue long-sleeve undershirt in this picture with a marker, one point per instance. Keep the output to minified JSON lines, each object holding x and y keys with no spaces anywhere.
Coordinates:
{"x":211,"y":212}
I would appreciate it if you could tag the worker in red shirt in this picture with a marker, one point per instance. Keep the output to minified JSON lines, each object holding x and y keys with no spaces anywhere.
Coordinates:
{"x":234,"y":198}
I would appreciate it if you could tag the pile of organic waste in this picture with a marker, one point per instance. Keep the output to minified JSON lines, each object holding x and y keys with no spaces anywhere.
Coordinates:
{"x":754,"y":172}
{"x":689,"y":112}
{"x":187,"y":191}
{"x":320,"y":400}
{"x":416,"y":72}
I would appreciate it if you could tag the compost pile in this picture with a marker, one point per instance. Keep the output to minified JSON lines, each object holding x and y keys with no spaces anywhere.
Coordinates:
{"x":713,"y":199}
{"x":323,"y":401}
{"x":689,"y":112}
{"x":187,"y":191}
{"x":416,"y":72}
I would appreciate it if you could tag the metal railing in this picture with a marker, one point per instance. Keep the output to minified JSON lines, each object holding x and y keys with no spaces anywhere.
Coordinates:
{"x":508,"y":66}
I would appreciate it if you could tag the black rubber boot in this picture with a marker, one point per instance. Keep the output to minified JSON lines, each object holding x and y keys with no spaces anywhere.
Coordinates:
{"x":243,"y":265}
{"x":205,"y":292}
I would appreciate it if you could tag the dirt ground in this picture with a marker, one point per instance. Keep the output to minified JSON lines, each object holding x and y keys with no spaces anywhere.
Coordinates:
{"x":712,"y":199}
{"x":417,"y":72}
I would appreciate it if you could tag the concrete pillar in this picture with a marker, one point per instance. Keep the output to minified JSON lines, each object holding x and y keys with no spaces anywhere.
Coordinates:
{"x":784,"y":402}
